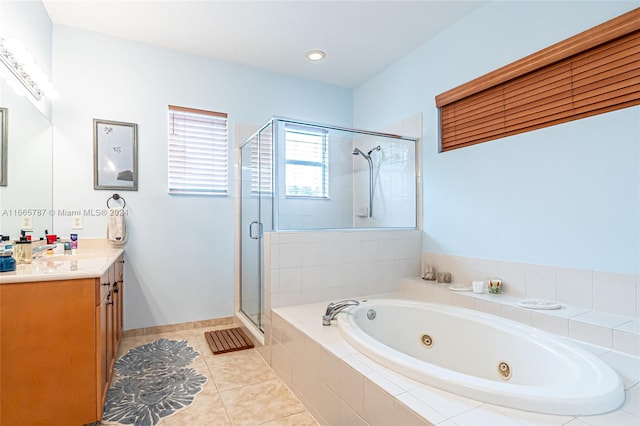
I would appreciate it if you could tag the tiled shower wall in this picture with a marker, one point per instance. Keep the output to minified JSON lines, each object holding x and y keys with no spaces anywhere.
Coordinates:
{"x":306,"y":267}
{"x":601,"y":291}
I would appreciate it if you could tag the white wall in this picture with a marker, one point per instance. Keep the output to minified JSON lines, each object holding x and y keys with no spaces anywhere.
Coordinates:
{"x":181,"y":249}
{"x":565,"y":196}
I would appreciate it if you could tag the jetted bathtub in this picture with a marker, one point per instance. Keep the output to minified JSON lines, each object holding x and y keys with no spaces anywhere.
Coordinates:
{"x":482,"y":356}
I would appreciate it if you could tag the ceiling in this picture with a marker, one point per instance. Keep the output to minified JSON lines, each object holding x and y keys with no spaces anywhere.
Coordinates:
{"x":360,"y":38}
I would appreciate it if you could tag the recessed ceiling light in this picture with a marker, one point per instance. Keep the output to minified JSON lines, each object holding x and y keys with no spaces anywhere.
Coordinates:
{"x":315,"y":55}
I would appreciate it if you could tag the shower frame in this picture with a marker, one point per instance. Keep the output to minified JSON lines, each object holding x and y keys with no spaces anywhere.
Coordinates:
{"x":274,"y":123}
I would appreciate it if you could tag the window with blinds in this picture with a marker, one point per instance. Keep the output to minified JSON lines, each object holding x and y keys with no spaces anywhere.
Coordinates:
{"x":594,"y":72}
{"x":306,"y":162}
{"x":262,"y":163}
{"x":198,"y":152}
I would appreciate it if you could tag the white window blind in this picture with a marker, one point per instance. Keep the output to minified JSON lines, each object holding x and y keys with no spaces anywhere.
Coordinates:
{"x":198,"y":152}
{"x":262,"y":157}
{"x":307,"y":159}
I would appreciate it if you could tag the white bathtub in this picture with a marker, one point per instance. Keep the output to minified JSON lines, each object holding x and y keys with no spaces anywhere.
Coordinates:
{"x":468,"y":348}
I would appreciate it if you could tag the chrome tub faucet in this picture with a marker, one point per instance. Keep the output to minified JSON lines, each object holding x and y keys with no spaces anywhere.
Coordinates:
{"x":334,"y":308}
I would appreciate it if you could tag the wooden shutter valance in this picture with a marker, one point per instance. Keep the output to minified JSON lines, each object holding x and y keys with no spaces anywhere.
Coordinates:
{"x":594,"y":72}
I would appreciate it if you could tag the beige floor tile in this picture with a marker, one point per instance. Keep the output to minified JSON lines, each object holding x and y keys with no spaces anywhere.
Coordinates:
{"x":238,"y":371}
{"x":300,"y":419}
{"x":209,"y":388}
{"x":242,"y":390}
{"x":259,"y":403}
{"x":131,"y":342}
{"x":231,"y":356}
{"x":191,"y":338}
{"x":207,"y":410}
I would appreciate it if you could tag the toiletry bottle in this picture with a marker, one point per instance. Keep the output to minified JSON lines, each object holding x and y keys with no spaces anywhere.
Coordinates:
{"x":23,"y":252}
{"x":7,"y":262}
{"x":58,"y":247}
{"x":74,"y":243}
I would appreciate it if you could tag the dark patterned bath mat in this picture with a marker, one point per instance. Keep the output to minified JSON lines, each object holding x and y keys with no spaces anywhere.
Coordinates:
{"x":228,"y":340}
{"x":152,"y":382}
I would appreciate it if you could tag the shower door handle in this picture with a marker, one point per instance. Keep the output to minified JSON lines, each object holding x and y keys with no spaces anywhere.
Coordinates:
{"x":255,"y":222}
{"x":251,"y":230}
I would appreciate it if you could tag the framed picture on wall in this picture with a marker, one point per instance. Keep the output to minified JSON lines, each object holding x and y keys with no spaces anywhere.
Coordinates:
{"x":3,"y":146}
{"x":115,"y":155}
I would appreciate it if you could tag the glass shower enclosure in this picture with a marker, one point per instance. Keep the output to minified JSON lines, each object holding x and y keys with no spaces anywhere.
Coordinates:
{"x":302,"y":176}
{"x":256,"y":192}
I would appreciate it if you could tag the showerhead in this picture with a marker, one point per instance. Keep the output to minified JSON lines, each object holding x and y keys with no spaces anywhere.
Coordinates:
{"x":357,"y":151}
{"x":377,"y":148}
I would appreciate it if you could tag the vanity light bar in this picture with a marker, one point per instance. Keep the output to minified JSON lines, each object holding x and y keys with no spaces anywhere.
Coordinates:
{"x":8,"y":53}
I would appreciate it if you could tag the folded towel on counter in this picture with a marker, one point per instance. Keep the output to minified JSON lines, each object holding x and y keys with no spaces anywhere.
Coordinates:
{"x":116,"y":227}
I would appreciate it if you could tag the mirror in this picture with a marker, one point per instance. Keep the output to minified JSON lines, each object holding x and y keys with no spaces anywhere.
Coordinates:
{"x":29,"y":167}
{"x":3,"y":146}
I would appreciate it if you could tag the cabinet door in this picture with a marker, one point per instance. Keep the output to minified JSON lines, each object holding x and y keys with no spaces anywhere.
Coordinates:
{"x":104,"y":328}
{"x":48,"y":352}
{"x":118,"y":307}
{"x":111,"y":337}
{"x":102,"y":354}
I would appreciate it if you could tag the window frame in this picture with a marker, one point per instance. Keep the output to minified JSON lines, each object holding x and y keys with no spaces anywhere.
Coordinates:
{"x":218,"y":162}
{"x":323,"y":164}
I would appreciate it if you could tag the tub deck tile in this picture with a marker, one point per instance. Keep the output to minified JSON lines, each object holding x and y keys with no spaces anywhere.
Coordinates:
{"x":430,"y":403}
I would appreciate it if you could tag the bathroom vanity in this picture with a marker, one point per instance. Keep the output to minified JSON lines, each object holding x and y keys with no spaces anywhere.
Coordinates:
{"x":60,"y":328}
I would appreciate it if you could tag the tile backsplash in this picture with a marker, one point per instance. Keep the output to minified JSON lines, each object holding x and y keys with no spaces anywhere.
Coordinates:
{"x":601,"y":291}
{"x":306,"y":267}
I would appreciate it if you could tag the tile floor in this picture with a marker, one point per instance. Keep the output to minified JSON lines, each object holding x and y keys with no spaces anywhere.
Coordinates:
{"x":242,"y":389}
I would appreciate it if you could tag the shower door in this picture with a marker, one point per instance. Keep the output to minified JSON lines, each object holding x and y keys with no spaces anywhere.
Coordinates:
{"x":256,"y":214}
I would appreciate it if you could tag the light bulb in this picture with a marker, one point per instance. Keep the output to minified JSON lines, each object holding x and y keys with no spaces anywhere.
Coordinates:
{"x":315,"y":55}
{"x":13,"y":45}
{"x":23,"y":57}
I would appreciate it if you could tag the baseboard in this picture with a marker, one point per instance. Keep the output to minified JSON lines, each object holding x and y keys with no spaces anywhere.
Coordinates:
{"x":158,"y":329}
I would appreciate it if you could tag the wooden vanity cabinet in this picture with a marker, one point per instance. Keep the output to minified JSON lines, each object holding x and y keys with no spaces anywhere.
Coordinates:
{"x":109,"y":316}
{"x":118,"y":304}
{"x":58,"y":343}
{"x":104,"y":323}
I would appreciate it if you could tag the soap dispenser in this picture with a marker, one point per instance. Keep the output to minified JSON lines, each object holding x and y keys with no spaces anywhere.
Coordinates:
{"x":23,"y":251}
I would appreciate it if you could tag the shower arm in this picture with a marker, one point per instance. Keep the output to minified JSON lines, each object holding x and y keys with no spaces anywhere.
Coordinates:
{"x":367,"y":157}
{"x":370,"y":186}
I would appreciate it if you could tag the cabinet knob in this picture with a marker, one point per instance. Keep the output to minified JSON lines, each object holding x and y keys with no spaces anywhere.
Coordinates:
{"x":106,"y":283}
{"x":121,"y":261}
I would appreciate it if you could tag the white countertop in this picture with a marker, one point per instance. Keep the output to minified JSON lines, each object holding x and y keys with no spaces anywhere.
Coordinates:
{"x":85,"y":263}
